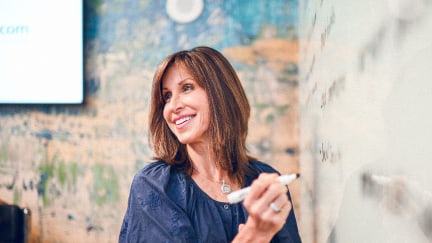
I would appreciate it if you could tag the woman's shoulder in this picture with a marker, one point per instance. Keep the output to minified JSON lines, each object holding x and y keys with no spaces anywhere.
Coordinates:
{"x":157,"y":171}
{"x":257,"y":167}
{"x":261,"y":166}
{"x":155,"y":168}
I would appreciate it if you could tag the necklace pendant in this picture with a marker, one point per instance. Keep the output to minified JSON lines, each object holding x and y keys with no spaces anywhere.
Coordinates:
{"x":225,"y":188}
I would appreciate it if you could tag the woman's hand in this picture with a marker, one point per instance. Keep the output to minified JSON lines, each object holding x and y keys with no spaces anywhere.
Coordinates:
{"x":268,"y":207}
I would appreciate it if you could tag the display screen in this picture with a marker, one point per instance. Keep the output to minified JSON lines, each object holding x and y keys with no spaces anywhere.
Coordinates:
{"x":41,"y":52}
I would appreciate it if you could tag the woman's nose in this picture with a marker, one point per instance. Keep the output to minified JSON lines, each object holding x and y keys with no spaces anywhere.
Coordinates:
{"x":176,"y":103}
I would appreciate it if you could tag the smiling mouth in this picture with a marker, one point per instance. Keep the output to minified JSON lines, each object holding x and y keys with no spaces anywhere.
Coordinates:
{"x":183,"y":120}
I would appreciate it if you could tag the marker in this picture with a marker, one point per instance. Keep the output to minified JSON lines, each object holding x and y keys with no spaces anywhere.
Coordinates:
{"x":239,"y":195}
{"x":380,"y":180}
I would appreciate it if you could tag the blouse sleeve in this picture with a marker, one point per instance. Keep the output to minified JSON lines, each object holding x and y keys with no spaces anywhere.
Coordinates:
{"x":152,"y":214}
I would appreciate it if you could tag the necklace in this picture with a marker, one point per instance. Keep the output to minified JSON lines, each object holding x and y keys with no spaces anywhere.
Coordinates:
{"x":225,"y":188}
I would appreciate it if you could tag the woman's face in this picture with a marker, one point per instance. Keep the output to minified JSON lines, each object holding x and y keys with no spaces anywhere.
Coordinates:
{"x":186,"y":108}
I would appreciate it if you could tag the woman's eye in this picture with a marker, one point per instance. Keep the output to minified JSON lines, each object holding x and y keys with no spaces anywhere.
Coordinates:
{"x":187,"y":87}
{"x":166,"y":96}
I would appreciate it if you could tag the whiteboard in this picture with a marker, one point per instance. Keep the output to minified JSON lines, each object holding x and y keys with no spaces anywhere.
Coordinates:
{"x":365,"y":97}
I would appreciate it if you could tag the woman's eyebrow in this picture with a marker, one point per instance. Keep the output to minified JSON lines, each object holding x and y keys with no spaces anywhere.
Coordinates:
{"x":185,"y":79}
{"x":181,"y":82}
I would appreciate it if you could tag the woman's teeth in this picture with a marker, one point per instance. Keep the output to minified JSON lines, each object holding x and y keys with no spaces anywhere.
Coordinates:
{"x":183,"y":120}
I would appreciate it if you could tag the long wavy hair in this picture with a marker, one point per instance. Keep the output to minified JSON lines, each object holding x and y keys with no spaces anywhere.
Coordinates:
{"x":229,"y":112}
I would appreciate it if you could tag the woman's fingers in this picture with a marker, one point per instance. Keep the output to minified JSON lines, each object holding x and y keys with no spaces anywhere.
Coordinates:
{"x":279,"y":203}
{"x":259,"y":186}
{"x":240,"y":227}
{"x":277,"y":211}
{"x":265,"y":190}
{"x":267,"y":204}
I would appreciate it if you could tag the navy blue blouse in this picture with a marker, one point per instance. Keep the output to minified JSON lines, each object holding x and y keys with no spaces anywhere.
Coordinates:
{"x":165,"y":205}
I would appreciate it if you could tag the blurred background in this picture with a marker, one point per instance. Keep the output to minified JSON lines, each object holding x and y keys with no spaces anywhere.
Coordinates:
{"x":72,"y":165}
{"x":340,"y":92}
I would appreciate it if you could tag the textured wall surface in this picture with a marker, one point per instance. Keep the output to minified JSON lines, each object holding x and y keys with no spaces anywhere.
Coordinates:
{"x":72,"y":165}
{"x":365,"y":95}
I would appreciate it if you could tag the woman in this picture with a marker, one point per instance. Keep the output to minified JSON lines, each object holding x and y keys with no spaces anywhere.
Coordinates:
{"x":198,"y":125}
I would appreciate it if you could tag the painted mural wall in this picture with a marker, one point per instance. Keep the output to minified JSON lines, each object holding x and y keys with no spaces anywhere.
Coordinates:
{"x":365,"y":96}
{"x":72,"y":165}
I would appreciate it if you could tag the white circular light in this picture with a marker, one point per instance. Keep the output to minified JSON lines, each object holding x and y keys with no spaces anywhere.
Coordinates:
{"x":184,"y":11}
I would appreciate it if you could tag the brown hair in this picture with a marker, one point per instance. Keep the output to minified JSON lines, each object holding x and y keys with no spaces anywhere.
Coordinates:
{"x":229,"y":111}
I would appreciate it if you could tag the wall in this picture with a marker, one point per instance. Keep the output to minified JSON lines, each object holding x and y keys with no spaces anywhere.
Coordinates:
{"x":365,"y":93}
{"x":73,"y":165}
